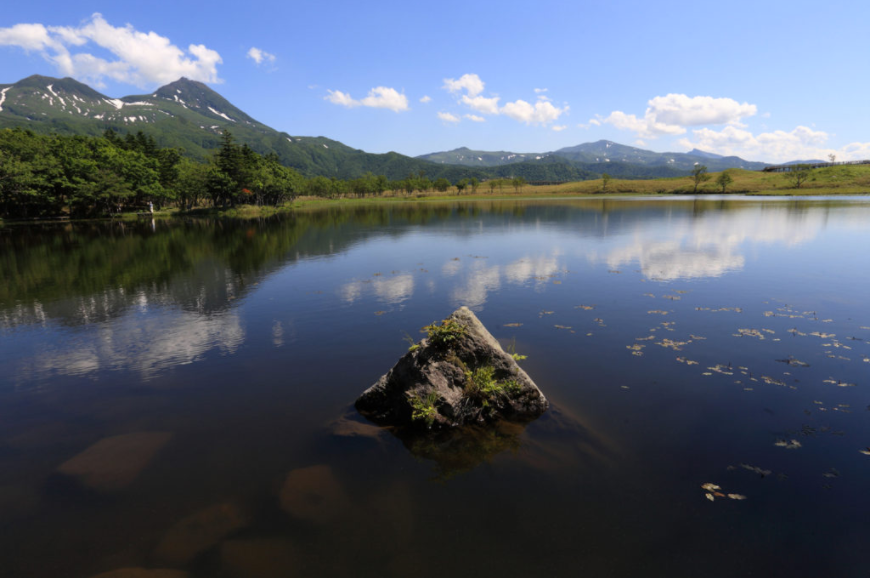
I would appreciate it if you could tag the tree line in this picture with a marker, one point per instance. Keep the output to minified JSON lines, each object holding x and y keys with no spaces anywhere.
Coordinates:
{"x":88,"y":176}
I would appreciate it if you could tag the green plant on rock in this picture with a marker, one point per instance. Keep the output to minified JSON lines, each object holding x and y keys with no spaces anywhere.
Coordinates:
{"x":423,"y":408}
{"x":481,"y":384}
{"x":443,"y":335}
{"x":512,"y":351}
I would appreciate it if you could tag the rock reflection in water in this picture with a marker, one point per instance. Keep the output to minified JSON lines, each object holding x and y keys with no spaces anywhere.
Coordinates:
{"x":556,"y":441}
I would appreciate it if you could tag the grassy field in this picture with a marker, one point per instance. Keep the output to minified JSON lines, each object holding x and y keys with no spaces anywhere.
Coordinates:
{"x":840,"y":180}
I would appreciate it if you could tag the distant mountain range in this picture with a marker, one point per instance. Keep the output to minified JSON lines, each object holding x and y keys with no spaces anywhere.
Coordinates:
{"x":192,"y":116}
{"x":597,"y":155}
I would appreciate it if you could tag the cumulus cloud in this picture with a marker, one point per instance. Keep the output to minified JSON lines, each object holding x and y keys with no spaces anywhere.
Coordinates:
{"x":481,"y":104}
{"x":426,"y":99}
{"x":560,"y":127}
{"x":802,"y":143}
{"x":543,"y":112}
{"x":260,"y":56}
{"x":379,"y":97}
{"x":671,"y":114}
{"x":139,"y":58}
{"x":470,"y":83}
{"x":475,"y":118}
{"x":448,"y":117}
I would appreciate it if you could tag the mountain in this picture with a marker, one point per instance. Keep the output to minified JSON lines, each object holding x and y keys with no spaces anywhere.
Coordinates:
{"x":191,"y":116}
{"x":469,"y":158}
{"x":705,"y":154}
{"x":602,"y":156}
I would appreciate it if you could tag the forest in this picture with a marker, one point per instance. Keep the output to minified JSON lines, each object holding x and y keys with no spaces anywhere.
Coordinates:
{"x":98,"y":176}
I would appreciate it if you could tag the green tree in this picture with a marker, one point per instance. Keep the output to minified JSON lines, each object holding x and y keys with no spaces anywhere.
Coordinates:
{"x":798,"y":174}
{"x":441,"y":185}
{"x":474,"y":184}
{"x":460,"y":185}
{"x":518,"y":183}
{"x":724,"y":179}
{"x":699,"y":175}
{"x":492,"y":185}
{"x":605,"y":178}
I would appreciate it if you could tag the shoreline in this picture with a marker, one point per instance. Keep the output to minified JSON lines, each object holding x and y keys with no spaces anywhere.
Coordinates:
{"x":304,"y":203}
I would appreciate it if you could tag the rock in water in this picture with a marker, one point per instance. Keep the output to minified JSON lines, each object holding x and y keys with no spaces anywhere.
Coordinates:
{"x":456,"y":376}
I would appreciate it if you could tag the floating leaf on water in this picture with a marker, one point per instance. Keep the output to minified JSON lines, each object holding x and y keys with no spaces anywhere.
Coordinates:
{"x":615,"y":271}
{"x":379,"y":312}
{"x":823,"y":335}
{"x":723,"y":369}
{"x":736,"y":496}
{"x":557,"y":282}
{"x":513,"y":325}
{"x":748,"y":389}
{"x":749,"y":333}
{"x":865,"y":451}
{"x":542,"y":313}
{"x":657,"y":312}
{"x":772,"y":380}
{"x":769,"y":314}
{"x":649,"y":295}
{"x":670,"y":344}
{"x":793,"y":362}
{"x":832,"y":473}
{"x":648,"y":338}
{"x":585,"y":307}
{"x":844,"y":384}
{"x":710,"y":497}
{"x":789,"y":445}
{"x":624,"y":387}
{"x":681,"y":292}
{"x":706,"y":373}
{"x":794,"y":331}
{"x":673,"y":297}
{"x":455,"y":259}
{"x":696,"y":337}
{"x":377,"y":274}
{"x":636,"y":348}
{"x":589,"y":335}
{"x":770,"y":331}
{"x":687,"y":361}
{"x":710,"y":487}
{"x":561,"y":327}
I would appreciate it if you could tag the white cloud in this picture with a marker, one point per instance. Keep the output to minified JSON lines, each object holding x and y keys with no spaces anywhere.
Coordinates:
{"x":379,"y":97}
{"x":140,"y":58}
{"x":640,"y":143}
{"x":560,"y":127}
{"x":671,"y":114}
{"x":541,"y":112}
{"x":540,"y":90}
{"x":475,"y":118}
{"x":802,"y":143}
{"x":342,"y":98}
{"x":260,"y":56}
{"x":471,"y":83}
{"x":594,"y":122}
{"x":448,"y":117}
{"x":481,"y":104}
{"x":426,"y":99}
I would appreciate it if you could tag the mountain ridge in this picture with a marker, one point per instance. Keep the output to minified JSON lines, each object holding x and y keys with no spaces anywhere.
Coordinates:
{"x":190,"y":115}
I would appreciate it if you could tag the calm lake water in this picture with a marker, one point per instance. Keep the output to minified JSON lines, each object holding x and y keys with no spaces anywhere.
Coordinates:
{"x":180,"y":394}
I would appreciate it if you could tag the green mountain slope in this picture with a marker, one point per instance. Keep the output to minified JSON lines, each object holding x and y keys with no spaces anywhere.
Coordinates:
{"x":191,"y":116}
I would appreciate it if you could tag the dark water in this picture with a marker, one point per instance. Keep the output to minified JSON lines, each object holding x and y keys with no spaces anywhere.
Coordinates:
{"x":179,"y":394}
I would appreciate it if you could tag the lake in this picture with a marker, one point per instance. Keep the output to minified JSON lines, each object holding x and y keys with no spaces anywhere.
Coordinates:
{"x":179,"y":394}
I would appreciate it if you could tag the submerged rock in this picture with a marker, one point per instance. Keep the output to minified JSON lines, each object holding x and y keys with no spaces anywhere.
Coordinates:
{"x":115,"y":462}
{"x":314,"y":494}
{"x":199,"y":532}
{"x":458,"y":375}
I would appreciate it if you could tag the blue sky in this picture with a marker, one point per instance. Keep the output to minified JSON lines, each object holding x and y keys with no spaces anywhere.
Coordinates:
{"x":765,"y":80}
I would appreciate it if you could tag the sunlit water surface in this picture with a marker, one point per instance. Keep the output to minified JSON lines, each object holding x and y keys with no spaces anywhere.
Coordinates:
{"x":179,"y":394}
